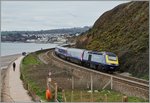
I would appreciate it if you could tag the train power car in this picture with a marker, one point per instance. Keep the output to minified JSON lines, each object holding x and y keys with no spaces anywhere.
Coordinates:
{"x":61,"y":52}
{"x":105,"y":61}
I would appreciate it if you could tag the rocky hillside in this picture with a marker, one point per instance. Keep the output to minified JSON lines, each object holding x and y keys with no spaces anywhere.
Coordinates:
{"x":123,"y":30}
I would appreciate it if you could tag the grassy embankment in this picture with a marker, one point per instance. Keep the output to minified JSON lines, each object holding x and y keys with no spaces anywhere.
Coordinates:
{"x":29,"y":65}
{"x":34,"y":74}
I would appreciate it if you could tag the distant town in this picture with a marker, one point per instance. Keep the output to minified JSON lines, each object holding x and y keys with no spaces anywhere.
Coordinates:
{"x":43,"y":36}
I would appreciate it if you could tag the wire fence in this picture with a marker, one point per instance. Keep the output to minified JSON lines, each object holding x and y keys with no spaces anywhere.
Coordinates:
{"x":86,"y":93}
{"x":82,"y":81}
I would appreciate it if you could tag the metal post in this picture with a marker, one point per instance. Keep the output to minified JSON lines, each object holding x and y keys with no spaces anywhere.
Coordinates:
{"x":91,"y":88}
{"x":72,"y":79}
{"x":91,"y":83}
{"x":111,"y":81}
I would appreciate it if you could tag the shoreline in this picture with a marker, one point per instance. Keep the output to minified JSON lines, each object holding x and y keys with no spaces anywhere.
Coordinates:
{"x":7,"y":60}
{"x":10,"y":55}
{"x":32,"y":42}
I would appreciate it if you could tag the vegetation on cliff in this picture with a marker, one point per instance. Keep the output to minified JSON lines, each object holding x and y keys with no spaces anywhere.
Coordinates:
{"x":123,"y":30}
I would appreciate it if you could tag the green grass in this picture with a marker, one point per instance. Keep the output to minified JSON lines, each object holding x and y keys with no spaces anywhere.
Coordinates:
{"x":59,"y":96}
{"x":99,"y":96}
{"x":30,"y":72}
{"x":31,"y":59}
{"x":28,"y":62}
{"x":146,"y":77}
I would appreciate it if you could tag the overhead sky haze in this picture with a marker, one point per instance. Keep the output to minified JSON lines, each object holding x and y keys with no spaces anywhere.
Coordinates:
{"x":45,"y":15}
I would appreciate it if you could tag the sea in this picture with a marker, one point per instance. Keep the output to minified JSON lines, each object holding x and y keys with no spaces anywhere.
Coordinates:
{"x":17,"y":48}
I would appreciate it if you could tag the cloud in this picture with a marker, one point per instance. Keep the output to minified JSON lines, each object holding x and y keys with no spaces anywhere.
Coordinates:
{"x":37,"y":15}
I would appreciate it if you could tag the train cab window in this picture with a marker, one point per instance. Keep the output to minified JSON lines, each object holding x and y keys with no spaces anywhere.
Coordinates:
{"x":112,"y":57}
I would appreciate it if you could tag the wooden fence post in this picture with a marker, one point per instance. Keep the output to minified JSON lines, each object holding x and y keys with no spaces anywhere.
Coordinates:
{"x":111,"y":80}
{"x":81,"y":96}
{"x":65,"y":99}
{"x":49,"y":80}
{"x":72,"y":96}
{"x":106,"y":98}
{"x":63,"y":96}
{"x":55,"y":92}
{"x":91,"y":97}
{"x":28,"y":87}
{"x":124,"y":99}
{"x":72,"y":82}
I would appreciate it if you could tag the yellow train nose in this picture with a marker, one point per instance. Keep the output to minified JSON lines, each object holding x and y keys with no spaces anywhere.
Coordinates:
{"x":108,"y":61}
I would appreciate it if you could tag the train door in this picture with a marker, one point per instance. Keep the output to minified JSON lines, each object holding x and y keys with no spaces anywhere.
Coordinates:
{"x":89,"y":57}
{"x":89,"y":61}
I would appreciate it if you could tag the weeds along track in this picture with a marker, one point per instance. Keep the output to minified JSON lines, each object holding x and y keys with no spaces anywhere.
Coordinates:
{"x":132,"y":78}
{"x":129,"y":85}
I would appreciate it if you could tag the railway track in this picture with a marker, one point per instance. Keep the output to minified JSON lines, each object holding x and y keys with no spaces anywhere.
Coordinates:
{"x":117,"y":75}
{"x":132,"y":78}
{"x":133,"y":82}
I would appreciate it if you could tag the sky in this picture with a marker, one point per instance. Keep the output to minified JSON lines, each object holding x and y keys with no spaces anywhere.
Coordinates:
{"x":46,"y":15}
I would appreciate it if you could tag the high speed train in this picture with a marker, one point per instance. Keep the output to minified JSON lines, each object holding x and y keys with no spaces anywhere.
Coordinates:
{"x":102,"y":61}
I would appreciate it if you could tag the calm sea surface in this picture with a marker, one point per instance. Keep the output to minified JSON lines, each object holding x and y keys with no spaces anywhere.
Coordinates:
{"x":15,"y":48}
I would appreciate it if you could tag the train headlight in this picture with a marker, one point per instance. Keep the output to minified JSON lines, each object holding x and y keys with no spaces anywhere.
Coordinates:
{"x":109,"y":63}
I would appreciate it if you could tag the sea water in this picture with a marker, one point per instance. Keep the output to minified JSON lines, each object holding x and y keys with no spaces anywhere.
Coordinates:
{"x":17,"y":48}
